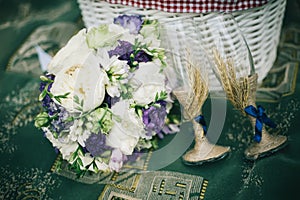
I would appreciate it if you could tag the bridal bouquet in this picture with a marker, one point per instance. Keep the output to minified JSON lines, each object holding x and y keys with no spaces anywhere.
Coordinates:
{"x":105,"y":95}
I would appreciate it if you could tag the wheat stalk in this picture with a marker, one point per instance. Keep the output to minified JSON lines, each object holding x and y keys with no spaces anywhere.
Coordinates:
{"x":237,"y":90}
{"x":198,"y":92}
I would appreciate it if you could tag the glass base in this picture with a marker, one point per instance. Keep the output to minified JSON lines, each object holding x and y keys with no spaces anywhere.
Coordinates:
{"x":203,"y":152}
{"x":269,"y":145}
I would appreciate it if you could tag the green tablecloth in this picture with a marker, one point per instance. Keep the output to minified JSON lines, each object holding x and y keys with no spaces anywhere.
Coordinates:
{"x":26,"y":156}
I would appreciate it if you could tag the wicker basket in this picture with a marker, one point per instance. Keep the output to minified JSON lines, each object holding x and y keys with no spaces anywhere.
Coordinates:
{"x":261,"y":26}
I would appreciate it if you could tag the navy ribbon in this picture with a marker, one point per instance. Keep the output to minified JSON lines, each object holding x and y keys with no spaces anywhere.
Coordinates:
{"x":200,"y":119}
{"x":261,"y":119}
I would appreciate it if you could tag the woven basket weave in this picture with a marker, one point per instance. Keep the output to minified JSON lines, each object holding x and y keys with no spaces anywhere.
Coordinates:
{"x":261,"y":26}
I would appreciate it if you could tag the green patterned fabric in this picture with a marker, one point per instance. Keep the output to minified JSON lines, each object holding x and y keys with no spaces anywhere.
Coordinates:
{"x":159,"y":185}
{"x":29,"y":164}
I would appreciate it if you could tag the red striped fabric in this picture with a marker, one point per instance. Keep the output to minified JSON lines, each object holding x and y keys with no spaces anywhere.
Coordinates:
{"x":192,"y":6}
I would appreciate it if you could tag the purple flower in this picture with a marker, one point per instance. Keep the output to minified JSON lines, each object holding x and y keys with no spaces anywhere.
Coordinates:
{"x":52,"y":107}
{"x":116,"y":160}
{"x":60,"y":123}
{"x":95,"y":144}
{"x":124,"y":49}
{"x":110,"y":100}
{"x":142,"y":56}
{"x":133,"y":23}
{"x":47,"y":101}
{"x":154,"y":118}
{"x":167,"y":130}
{"x":43,"y":83}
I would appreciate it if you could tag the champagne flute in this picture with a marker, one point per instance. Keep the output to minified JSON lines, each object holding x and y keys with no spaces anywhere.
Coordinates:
{"x":190,"y":86}
{"x":233,"y":65}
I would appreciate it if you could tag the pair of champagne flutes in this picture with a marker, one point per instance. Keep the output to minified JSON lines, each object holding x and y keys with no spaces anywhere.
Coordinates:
{"x":210,"y":53}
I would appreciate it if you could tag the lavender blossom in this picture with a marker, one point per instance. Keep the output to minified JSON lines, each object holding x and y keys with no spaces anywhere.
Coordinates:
{"x":133,"y":23}
{"x":46,"y":101}
{"x":61,"y":122}
{"x":95,"y":144}
{"x":60,"y":115}
{"x":154,"y":118}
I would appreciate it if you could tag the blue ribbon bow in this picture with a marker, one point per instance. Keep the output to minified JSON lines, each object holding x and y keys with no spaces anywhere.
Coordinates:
{"x":261,"y":119}
{"x":200,"y":119}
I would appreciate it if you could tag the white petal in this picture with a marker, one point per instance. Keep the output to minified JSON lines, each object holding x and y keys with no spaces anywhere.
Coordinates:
{"x":86,"y":81}
{"x":151,"y":81}
{"x":71,"y":54}
{"x":86,"y":160}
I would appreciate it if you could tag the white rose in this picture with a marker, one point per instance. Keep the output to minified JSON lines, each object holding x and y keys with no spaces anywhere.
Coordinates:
{"x":77,"y":70}
{"x":151,"y":81}
{"x":71,"y":53}
{"x":127,"y":129}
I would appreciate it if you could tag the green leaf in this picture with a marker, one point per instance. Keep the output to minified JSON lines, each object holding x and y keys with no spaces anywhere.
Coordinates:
{"x":57,"y":99}
{"x":42,"y":95}
{"x":69,"y":119}
{"x":156,"y":97}
{"x":161,"y":96}
{"x":140,"y":112}
{"x":80,"y":152}
{"x":154,"y":143}
{"x":79,"y":108}
{"x":76,"y":99}
{"x":55,"y":135}
{"x":80,"y":163}
{"x":95,"y":168}
{"x":62,"y":96}
{"x":73,"y":157}
{"x":50,"y":94}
